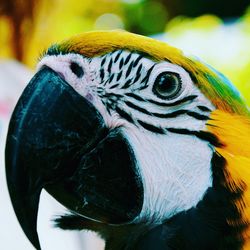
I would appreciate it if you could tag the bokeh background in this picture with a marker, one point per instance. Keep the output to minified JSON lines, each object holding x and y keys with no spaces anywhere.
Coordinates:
{"x":217,"y":31}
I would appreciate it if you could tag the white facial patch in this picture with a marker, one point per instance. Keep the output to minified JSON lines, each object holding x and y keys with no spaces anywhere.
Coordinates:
{"x":175,"y":171}
{"x":62,"y":65}
{"x":174,"y":166}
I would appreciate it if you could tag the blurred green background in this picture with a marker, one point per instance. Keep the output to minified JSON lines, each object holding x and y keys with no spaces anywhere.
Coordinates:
{"x":217,"y":31}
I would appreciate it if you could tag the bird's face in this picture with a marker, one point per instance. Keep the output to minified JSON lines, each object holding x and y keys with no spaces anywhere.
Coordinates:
{"x":152,"y":104}
{"x":118,"y":137}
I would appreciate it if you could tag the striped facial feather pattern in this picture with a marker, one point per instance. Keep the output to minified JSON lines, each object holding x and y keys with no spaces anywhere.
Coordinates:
{"x":126,"y":87}
{"x":164,"y":125}
{"x":122,"y":83}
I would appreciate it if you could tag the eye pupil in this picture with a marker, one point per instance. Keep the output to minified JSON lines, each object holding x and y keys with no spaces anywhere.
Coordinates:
{"x":167,"y":85}
{"x":76,"y":69}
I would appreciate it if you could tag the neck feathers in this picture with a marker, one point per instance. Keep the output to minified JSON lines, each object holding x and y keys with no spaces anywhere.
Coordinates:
{"x":233,"y":131}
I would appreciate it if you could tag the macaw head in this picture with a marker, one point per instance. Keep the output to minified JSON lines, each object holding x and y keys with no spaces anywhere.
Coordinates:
{"x":126,"y":130}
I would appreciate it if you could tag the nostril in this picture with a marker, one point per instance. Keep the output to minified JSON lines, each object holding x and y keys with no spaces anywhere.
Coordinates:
{"x":76,"y":69}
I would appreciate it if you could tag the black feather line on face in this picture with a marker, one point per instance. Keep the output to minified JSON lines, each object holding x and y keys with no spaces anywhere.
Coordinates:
{"x":151,"y":127}
{"x":129,"y":69}
{"x":171,"y":104}
{"x":110,"y":65}
{"x":146,"y":78}
{"x":117,"y":56}
{"x":114,"y":86}
{"x":103,"y":61}
{"x":203,"y":135}
{"x":167,"y":115}
{"x":137,"y":60}
{"x":163,"y":104}
{"x":197,"y":115}
{"x":124,"y":114}
{"x":137,"y":97}
{"x":121,"y":64}
{"x":102,"y":74}
{"x":127,"y":84}
{"x":119,"y":76}
{"x":138,"y":74}
{"x":111,"y":78}
{"x":204,"y":108}
{"x":127,"y":59}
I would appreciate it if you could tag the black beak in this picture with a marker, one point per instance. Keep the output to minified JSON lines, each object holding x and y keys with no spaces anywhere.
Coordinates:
{"x":57,"y":140}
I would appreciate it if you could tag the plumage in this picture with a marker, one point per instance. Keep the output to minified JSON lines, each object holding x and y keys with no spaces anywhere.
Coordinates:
{"x":233,"y":131}
{"x":167,"y":163}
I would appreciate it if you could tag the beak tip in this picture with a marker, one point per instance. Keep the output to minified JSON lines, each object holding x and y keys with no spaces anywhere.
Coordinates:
{"x":33,"y":238}
{"x":26,"y":209}
{"x":36,"y":243}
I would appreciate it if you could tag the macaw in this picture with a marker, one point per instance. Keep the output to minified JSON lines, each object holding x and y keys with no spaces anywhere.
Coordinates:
{"x":142,"y":144}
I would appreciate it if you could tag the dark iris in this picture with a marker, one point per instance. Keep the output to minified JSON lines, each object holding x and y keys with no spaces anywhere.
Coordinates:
{"x":76,"y":69}
{"x":167,"y":85}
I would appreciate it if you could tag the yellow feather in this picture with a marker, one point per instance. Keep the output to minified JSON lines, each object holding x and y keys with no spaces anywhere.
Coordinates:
{"x":234,"y":132}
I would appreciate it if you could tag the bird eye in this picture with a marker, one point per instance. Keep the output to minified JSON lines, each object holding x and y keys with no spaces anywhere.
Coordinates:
{"x":76,"y":69}
{"x":167,"y":85}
